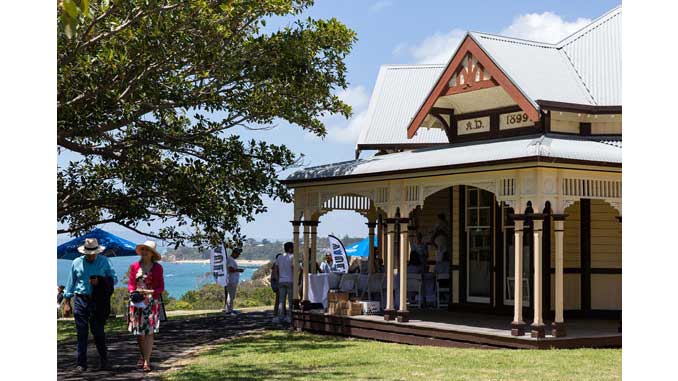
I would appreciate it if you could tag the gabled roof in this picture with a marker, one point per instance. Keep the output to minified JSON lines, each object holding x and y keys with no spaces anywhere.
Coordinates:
{"x":397,"y":93}
{"x":584,"y":68}
{"x":539,"y":70}
{"x":543,"y":148}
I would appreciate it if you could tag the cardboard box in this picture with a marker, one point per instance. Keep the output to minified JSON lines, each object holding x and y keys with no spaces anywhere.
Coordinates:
{"x":336,"y":307}
{"x":336,"y":296}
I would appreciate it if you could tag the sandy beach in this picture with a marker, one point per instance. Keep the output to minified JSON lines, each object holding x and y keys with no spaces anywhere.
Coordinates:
{"x":241,"y":262}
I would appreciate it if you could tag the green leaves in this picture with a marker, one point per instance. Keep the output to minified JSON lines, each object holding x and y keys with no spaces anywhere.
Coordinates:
{"x":72,"y":12}
{"x":131,"y":72}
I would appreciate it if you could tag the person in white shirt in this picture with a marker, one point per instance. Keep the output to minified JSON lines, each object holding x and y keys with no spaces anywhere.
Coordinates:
{"x":233,"y":279}
{"x":327,"y":266}
{"x":440,"y":237}
{"x":284,"y":268}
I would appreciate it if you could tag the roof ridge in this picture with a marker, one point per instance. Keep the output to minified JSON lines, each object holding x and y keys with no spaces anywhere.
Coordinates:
{"x":412,"y":66}
{"x":522,"y":41}
{"x":579,"y":76}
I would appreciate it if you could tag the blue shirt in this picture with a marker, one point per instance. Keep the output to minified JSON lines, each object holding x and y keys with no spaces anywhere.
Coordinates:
{"x":81,"y":270}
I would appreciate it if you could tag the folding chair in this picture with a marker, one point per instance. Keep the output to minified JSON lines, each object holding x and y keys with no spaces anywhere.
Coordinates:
{"x":442,"y":290}
{"x":414,"y":284}
{"x":375,"y":283}
{"x":349,"y":283}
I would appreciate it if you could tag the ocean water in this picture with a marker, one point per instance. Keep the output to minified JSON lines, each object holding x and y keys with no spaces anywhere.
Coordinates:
{"x":179,"y":277}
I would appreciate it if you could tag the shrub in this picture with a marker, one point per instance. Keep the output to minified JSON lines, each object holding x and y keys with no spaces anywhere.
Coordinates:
{"x":250,"y":293}
{"x":263,"y":272}
{"x":180,"y":305}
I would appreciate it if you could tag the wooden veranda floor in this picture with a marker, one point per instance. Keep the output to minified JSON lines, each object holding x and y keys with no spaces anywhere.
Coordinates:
{"x":459,"y":329}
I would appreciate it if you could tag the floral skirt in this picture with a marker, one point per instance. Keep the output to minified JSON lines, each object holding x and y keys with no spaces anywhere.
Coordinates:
{"x":144,"y":320}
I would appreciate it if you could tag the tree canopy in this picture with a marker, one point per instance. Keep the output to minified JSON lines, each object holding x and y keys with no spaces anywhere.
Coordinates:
{"x":152,"y":95}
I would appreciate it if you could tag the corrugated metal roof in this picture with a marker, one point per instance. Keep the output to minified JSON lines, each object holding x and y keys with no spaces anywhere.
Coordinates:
{"x":584,"y":68}
{"x":543,"y":147}
{"x":398,"y":92}
{"x":595,"y":53}
{"x":539,"y":70}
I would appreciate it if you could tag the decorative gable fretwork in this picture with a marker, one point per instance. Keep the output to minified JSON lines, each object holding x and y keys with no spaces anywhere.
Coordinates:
{"x":469,"y":76}
{"x":471,"y":69}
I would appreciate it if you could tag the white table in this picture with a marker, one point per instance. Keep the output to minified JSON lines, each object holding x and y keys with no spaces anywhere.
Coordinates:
{"x":334,"y":279}
{"x":318,"y":287}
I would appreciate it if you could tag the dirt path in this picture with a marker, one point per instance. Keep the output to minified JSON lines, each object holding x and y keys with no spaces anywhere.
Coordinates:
{"x":176,"y":339}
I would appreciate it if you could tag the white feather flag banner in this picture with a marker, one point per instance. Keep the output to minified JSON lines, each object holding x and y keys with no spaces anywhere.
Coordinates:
{"x":218,"y":266}
{"x":338,"y":254}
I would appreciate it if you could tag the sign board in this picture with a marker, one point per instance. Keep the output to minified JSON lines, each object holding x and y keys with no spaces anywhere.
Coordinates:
{"x":473,"y":126}
{"x":338,"y":254}
{"x":514,"y":120}
{"x":218,"y":266}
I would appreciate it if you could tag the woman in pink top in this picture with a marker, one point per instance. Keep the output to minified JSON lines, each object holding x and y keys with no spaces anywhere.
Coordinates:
{"x":147,"y":283}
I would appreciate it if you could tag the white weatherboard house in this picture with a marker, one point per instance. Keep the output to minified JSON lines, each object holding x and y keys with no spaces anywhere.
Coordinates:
{"x":518,"y":144}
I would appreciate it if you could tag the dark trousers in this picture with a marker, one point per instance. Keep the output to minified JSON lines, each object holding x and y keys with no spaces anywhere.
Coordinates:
{"x":85,"y":321}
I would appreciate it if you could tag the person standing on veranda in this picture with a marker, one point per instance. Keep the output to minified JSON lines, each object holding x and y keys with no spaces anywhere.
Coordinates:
{"x":83,"y":277}
{"x":440,"y":238}
{"x":421,"y":249}
{"x":146,"y":284}
{"x":284,"y":266}
{"x":328,"y":266}
{"x":233,"y":279}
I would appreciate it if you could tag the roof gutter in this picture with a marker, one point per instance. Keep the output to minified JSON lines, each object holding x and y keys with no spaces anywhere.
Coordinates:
{"x":538,"y":159}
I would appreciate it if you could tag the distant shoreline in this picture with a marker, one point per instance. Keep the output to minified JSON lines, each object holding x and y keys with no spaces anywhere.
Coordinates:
{"x":241,"y":262}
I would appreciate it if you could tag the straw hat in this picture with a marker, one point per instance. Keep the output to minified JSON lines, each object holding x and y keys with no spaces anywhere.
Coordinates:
{"x":91,"y":246}
{"x":151,"y":246}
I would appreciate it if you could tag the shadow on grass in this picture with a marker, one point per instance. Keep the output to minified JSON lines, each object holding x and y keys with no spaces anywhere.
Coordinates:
{"x":254,"y":372}
{"x":273,"y":345}
{"x":283,"y":343}
{"x":176,"y":336}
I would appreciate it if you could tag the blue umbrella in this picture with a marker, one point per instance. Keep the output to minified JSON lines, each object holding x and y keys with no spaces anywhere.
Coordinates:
{"x":115,"y":246}
{"x":360,"y":249}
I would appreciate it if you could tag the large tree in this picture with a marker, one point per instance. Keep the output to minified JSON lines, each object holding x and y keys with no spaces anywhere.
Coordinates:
{"x":153,"y":94}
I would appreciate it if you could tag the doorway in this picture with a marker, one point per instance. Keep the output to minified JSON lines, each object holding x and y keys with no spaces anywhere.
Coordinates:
{"x":479,"y":205}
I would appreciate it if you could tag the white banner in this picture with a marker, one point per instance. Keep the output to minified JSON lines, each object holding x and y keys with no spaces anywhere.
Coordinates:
{"x":338,"y":254}
{"x":218,"y":266}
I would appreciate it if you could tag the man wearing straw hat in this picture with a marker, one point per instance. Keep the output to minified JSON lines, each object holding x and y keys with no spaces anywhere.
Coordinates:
{"x":84,"y":276}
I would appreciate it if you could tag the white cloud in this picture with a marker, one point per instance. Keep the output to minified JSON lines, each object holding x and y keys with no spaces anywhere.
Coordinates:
{"x":438,"y":47}
{"x":347,"y":131}
{"x":379,"y":5}
{"x":434,"y":49}
{"x":355,"y":96}
{"x":544,"y":27}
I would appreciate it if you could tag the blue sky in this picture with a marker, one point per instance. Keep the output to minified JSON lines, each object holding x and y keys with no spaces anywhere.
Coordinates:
{"x":392,"y":31}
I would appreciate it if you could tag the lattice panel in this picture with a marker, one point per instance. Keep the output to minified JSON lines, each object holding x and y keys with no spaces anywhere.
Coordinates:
{"x":412,"y":193}
{"x":382,"y":195}
{"x":591,"y":188}
{"x":357,"y":203}
{"x":507,"y":187}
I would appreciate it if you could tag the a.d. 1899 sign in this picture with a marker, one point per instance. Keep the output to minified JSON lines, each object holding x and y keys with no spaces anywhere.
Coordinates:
{"x":514,"y":120}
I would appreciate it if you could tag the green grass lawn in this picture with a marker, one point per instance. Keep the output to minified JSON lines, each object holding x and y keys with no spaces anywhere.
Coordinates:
{"x":282,"y":355}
